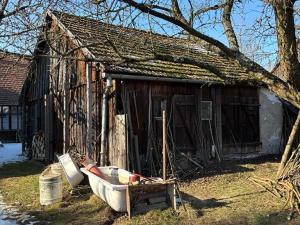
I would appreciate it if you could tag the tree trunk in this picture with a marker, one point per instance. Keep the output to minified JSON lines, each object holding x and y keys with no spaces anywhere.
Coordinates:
{"x":288,"y":147}
{"x":286,"y":38}
{"x":226,"y":21}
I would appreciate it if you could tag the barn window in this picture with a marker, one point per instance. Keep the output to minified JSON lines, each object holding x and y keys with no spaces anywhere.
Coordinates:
{"x":240,"y":115}
{"x":10,"y":117}
{"x":14,"y":117}
{"x":206,"y":110}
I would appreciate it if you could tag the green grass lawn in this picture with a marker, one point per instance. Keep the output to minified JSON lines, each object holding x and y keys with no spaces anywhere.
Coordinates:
{"x":223,"y":196}
{"x":19,"y":185}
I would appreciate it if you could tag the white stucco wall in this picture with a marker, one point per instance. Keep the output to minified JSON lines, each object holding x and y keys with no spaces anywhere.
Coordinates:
{"x":271,"y":118}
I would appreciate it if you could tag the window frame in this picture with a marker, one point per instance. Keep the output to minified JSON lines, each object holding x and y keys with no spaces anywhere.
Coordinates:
{"x":18,"y":117}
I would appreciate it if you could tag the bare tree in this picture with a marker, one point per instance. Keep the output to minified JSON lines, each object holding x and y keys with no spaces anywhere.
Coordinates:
{"x":21,"y":20}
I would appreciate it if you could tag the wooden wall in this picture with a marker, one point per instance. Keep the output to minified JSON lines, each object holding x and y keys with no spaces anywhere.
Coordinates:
{"x":142,"y":103}
{"x":35,"y":89}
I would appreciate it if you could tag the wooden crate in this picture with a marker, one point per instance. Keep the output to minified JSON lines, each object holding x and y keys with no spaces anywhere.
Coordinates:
{"x":142,"y":198}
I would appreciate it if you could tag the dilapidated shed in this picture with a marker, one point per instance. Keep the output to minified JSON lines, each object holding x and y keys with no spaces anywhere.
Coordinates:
{"x":130,"y":77}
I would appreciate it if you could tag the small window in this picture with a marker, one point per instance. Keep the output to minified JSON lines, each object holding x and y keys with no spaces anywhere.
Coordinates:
{"x":14,"y":117}
{"x":206,"y":110}
{"x":5,"y":117}
{"x":20,"y":117}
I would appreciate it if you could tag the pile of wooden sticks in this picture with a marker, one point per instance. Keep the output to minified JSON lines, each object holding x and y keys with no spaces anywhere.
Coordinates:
{"x":287,"y":185}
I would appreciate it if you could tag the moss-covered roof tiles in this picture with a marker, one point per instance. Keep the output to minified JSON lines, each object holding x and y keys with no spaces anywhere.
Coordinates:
{"x":131,"y":51}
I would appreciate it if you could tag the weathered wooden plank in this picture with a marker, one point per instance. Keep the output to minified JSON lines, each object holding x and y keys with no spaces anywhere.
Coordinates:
{"x":137,"y":153}
{"x":119,"y":148}
{"x":141,"y":208}
{"x":164,"y":139}
{"x":157,"y":199}
{"x":128,"y":201}
{"x":172,"y":195}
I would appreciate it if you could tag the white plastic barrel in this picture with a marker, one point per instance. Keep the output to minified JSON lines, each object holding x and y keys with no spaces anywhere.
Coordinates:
{"x":50,"y":188}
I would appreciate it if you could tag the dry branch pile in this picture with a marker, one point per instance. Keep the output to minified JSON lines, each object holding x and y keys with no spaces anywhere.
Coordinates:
{"x":287,"y":185}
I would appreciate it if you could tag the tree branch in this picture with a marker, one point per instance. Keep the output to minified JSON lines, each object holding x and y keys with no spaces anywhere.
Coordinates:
{"x":177,"y":12}
{"x":2,"y":9}
{"x":226,"y":21}
{"x":210,"y":8}
{"x":145,"y":9}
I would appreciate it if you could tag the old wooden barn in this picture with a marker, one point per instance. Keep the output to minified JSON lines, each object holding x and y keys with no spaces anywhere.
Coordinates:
{"x":107,"y":95}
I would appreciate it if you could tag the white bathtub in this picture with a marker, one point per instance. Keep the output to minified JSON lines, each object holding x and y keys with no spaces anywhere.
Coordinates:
{"x":110,"y":189}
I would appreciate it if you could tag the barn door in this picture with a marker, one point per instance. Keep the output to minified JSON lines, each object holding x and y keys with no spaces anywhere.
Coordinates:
{"x":184,"y":123}
{"x":192,"y":127}
{"x":240,"y":120}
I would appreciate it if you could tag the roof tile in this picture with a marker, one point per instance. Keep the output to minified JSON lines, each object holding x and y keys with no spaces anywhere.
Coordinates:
{"x":13,"y":72}
{"x":113,"y":43}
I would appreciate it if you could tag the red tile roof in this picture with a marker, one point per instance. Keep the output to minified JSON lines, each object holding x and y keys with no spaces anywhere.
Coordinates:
{"x":13,"y":72}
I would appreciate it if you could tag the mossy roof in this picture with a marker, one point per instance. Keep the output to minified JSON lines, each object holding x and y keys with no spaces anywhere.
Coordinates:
{"x":114,"y":45}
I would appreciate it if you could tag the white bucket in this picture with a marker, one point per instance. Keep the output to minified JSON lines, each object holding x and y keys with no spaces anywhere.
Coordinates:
{"x":71,"y":170}
{"x":50,"y":187}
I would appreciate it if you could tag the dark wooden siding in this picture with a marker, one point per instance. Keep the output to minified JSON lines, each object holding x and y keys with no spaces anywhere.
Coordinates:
{"x":35,"y":88}
{"x":240,"y":117}
{"x":142,"y":100}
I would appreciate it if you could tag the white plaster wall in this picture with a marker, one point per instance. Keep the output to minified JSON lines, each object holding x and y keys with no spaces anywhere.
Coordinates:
{"x":271,"y":117}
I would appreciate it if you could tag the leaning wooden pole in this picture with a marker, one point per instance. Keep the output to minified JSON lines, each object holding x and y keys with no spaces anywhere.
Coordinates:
{"x":89,"y":110}
{"x":288,"y":147}
{"x":66,"y":107}
{"x":164,"y":144}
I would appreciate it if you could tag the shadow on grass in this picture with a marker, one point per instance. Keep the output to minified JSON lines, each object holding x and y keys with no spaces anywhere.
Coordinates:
{"x":19,"y":169}
{"x":254,"y":193}
{"x":231,"y":167}
{"x":199,"y":204}
{"x":83,"y":209}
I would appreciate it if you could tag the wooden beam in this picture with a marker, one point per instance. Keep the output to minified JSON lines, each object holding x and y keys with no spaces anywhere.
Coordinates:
{"x":66,"y":111}
{"x":128,"y":201}
{"x":164,"y":146}
{"x":89,"y":109}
